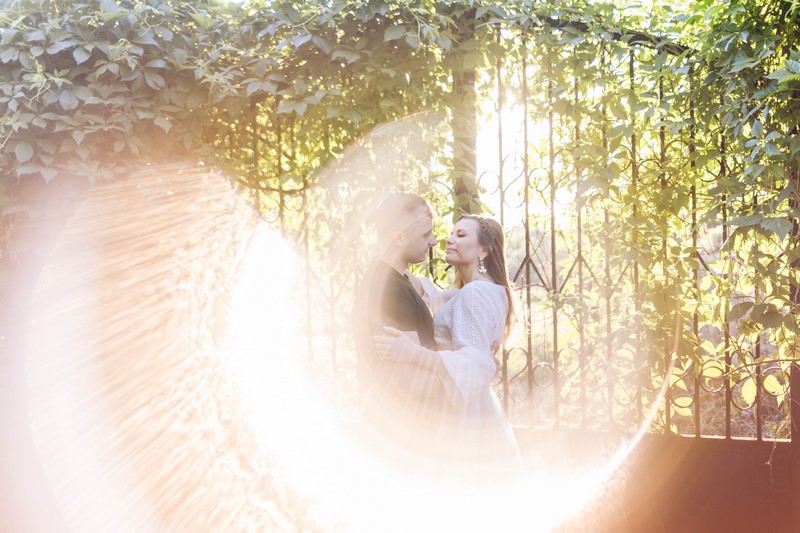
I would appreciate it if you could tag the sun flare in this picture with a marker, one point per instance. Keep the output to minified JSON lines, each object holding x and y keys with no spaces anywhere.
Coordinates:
{"x":172,"y":388}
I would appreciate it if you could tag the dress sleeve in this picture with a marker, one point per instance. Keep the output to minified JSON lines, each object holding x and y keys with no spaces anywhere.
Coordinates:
{"x":478,"y":315}
{"x":433,"y":296}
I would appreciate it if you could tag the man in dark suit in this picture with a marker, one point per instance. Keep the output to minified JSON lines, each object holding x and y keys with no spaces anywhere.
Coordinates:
{"x":402,"y":403}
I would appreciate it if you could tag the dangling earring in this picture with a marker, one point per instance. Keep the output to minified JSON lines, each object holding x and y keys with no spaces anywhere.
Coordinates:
{"x":481,"y":266}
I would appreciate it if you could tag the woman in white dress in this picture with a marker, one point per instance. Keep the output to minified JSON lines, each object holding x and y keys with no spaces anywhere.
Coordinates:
{"x":469,"y":327}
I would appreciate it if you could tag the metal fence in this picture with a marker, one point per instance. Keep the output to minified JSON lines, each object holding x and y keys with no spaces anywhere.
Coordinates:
{"x":580,"y":213}
{"x":633,"y":312}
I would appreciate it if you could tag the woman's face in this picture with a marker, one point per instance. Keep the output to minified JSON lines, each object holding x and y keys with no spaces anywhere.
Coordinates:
{"x":463,"y":247}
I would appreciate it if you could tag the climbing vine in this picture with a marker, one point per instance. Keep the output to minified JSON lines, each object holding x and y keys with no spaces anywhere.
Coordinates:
{"x":674,"y":131}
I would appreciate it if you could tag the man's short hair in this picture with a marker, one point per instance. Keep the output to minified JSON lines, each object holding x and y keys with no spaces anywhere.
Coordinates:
{"x":398,"y":211}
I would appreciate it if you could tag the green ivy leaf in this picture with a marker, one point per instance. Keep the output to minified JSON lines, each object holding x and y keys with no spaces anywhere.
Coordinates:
{"x":780,"y":226}
{"x":156,"y":63}
{"x":767,"y":315}
{"x":23,"y":152}
{"x":81,"y":55}
{"x":299,"y":40}
{"x":739,"y":310}
{"x":350,"y":57}
{"x":164,"y":32}
{"x":412,"y":41}
{"x":683,"y":401}
{"x":393,"y":33}
{"x":154,"y":81}
{"x":9,"y":54}
{"x":289,"y":106}
{"x":48,"y":174}
{"x":757,"y":128}
{"x":783,"y":76}
{"x":109,"y":6}
{"x":35,"y":35}
{"x":747,"y":220}
{"x":772,"y":385}
{"x":203,"y":21}
{"x":27,"y":169}
{"x":163,"y":123}
{"x":322,"y":44}
{"x":68,"y":100}
{"x":592,"y":182}
{"x":749,"y":390}
{"x":742,"y":62}
{"x":481,"y":11}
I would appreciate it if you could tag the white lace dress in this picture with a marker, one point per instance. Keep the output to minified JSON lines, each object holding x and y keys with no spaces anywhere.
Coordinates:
{"x":468,"y":328}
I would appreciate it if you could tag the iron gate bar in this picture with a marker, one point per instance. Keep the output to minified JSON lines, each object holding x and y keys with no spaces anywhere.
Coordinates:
{"x":589,"y":268}
{"x":607,"y":265}
{"x":635,"y":180}
{"x":723,"y":170}
{"x":553,"y":259}
{"x":696,"y":266}
{"x":568,"y":275}
{"x":579,"y":259}
{"x":526,"y":180}
{"x":794,"y":416}
{"x":307,"y":254}
{"x":501,"y":189}
{"x":757,"y":355}
{"x":500,"y":108}
{"x":528,"y":263}
{"x":759,"y":427}
{"x":662,"y":134}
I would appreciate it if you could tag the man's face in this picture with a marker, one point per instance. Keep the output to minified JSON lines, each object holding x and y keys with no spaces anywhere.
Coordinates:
{"x":418,"y":237}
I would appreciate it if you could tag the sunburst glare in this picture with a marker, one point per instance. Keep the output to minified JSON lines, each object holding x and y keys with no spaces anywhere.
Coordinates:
{"x":134,"y":415}
{"x":172,"y":389}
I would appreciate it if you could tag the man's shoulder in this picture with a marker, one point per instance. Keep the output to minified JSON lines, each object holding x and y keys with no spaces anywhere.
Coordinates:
{"x":383,"y":285}
{"x":377,"y":274}
{"x":378,"y":271}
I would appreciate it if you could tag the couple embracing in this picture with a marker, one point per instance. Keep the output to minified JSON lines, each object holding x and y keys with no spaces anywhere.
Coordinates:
{"x":427,"y":357}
